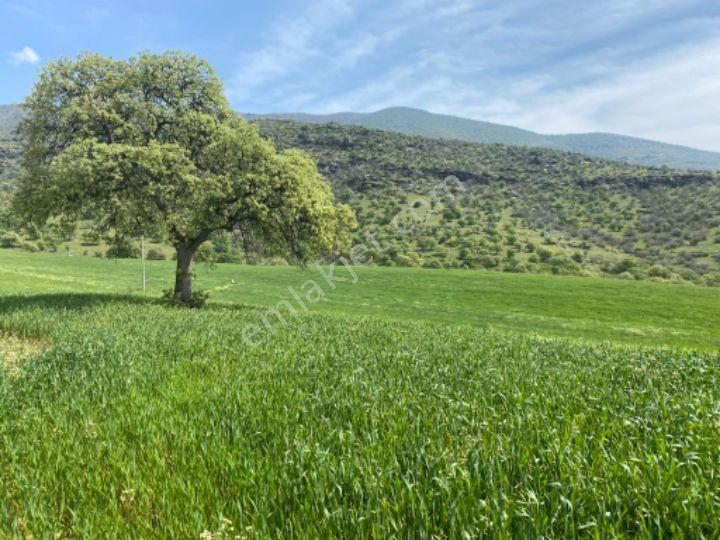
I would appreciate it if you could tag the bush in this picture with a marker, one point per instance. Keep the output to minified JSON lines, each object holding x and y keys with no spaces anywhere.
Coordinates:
{"x":517,"y":268}
{"x":432,"y":263}
{"x":122,"y":250}
{"x":229,"y":257}
{"x":544,"y":254}
{"x":155,"y":255}
{"x":659,"y":272}
{"x":408,"y":260}
{"x":206,"y":254}
{"x":625,"y":265}
{"x":561,"y":264}
{"x":197,"y":301}
{"x":47,"y":245}
{"x":9,"y":240}
{"x":90,"y":238}
{"x":487,"y":261}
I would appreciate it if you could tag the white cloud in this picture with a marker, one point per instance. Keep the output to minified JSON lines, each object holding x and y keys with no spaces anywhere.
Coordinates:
{"x":293,"y":44}
{"x":647,"y":69}
{"x":670,"y":97}
{"x":26,"y":55}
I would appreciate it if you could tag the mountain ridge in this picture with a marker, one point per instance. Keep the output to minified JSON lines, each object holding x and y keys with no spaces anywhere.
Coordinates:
{"x":603,"y":145}
{"x":411,"y":121}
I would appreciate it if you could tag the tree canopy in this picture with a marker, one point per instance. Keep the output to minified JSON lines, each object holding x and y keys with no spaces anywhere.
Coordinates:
{"x":150,"y":146}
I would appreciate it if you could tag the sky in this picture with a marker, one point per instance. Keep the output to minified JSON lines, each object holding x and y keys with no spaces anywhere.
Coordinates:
{"x":645,"y":68}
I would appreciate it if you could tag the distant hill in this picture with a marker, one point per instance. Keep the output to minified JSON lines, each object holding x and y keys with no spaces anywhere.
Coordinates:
{"x":418,"y":122}
{"x":602,"y":145}
{"x":10,"y":115}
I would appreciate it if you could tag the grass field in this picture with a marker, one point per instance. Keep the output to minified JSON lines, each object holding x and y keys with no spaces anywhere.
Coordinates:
{"x":393,"y":411}
{"x":631,"y":312}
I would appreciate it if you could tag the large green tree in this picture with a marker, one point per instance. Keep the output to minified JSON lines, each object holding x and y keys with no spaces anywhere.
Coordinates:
{"x":150,"y":146}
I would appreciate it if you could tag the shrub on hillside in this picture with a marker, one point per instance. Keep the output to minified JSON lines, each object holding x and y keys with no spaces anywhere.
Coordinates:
{"x":90,"y":238}
{"x":10,"y":240}
{"x":487,"y":261}
{"x":544,"y":254}
{"x":410,"y":259}
{"x":155,"y":255}
{"x":625,"y":265}
{"x":659,"y":271}
{"x":122,"y":249}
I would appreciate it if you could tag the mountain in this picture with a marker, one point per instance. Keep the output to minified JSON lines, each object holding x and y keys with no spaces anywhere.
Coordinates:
{"x":418,"y":122}
{"x":443,"y":203}
{"x":602,"y":145}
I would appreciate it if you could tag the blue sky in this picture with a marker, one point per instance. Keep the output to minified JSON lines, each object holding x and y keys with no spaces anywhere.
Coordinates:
{"x":645,"y":68}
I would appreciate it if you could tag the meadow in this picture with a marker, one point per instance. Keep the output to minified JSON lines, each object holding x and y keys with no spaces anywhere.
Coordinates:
{"x":410,"y":404}
{"x":596,"y":309}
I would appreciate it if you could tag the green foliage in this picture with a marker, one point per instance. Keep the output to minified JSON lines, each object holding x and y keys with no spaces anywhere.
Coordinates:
{"x":658,"y":271}
{"x":122,"y":248}
{"x":150,"y":146}
{"x":10,"y":240}
{"x":155,"y":255}
{"x":9,"y":148}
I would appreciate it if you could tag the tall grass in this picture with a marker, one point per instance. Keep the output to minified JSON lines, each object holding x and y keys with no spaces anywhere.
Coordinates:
{"x":143,"y":421}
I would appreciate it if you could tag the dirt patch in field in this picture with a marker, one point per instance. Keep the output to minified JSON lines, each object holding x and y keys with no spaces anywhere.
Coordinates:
{"x":14,"y":350}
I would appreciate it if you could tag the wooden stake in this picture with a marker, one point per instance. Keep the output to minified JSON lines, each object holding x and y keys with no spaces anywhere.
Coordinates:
{"x":142,"y":258}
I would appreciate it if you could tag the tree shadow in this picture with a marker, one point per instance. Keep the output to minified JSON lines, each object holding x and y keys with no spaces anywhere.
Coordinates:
{"x":79,"y":302}
{"x":75,"y":302}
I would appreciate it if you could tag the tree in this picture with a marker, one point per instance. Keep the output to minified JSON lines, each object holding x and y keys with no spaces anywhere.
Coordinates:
{"x":151,"y":146}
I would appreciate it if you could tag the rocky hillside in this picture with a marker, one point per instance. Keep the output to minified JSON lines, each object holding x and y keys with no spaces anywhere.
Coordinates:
{"x":441,"y":203}
{"x":602,"y":145}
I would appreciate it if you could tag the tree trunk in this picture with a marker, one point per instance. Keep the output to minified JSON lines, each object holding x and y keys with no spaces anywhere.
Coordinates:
{"x":183,"y":277}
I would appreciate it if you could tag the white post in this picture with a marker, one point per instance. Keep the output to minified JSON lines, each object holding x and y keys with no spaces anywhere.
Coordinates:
{"x":142,"y":258}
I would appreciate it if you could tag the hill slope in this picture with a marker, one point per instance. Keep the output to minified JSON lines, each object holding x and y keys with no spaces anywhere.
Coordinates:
{"x":602,"y":145}
{"x":448,"y":203}
{"x":10,"y":116}
{"x":444,"y":203}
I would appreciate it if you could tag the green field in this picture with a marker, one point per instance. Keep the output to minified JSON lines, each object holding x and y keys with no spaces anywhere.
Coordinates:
{"x":631,"y":312}
{"x":410,"y":404}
